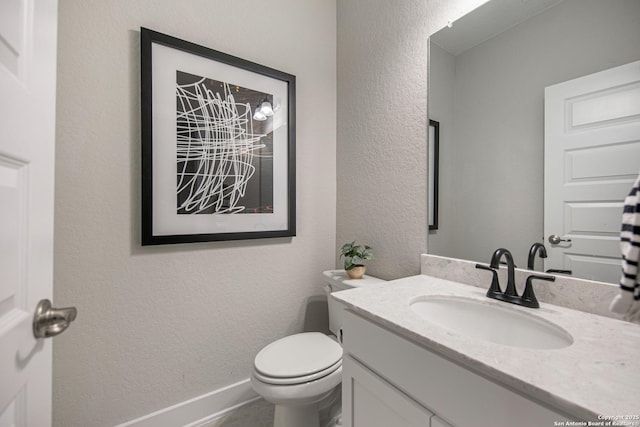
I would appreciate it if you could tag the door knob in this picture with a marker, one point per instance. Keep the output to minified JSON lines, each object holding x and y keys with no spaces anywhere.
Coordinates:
{"x":554,"y":239}
{"x":49,"y":321}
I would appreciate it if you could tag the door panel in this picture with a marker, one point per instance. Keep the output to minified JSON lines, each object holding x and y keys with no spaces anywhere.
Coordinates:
{"x":13,"y":20}
{"x":619,"y":104}
{"x":602,"y":163}
{"x":593,"y":217}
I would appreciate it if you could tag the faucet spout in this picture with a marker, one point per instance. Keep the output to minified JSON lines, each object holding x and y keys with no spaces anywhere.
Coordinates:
{"x":510,"y":293}
{"x":536,"y":247}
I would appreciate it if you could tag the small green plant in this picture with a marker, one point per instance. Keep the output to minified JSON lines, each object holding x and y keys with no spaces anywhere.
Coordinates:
{"x":355,"y":255}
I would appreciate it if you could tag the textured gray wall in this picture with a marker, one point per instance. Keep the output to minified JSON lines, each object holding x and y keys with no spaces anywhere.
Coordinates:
{"x":159,"y":325}
{"x":382,"y":126}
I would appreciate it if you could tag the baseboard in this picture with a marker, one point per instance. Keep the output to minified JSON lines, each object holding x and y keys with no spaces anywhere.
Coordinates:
{"x":200,"y":409}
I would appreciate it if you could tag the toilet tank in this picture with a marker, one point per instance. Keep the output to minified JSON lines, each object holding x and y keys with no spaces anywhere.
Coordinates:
{"x":337,"y":280}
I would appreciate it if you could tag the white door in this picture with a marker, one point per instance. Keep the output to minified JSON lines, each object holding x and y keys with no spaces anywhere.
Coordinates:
{"x":592,"y":157}
{"x":28,"y":33}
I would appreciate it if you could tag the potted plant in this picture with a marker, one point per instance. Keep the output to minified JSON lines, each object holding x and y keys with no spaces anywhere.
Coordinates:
{"x":354,"y":259}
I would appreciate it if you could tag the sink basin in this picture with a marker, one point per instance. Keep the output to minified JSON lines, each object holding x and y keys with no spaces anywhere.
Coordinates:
{"x":491,"y":322}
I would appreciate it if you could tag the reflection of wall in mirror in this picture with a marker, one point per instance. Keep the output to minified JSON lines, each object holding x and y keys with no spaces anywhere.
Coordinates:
{"x":491,"y":177}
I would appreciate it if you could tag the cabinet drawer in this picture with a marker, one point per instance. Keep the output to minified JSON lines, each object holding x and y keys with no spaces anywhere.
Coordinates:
{"x":460,"y":396}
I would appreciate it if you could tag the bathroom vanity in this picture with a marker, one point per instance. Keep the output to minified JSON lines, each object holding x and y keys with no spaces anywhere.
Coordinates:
{"x":401,"y":369}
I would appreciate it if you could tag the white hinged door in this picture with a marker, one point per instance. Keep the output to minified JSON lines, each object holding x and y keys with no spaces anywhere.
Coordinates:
{"x":28,"y":36}
{"x":592,"y":158}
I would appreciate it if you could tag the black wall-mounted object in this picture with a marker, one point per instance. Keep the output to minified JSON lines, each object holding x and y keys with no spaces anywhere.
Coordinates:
{"x":434,"y":160}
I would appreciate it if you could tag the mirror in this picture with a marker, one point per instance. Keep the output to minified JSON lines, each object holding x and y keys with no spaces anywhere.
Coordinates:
{"x":487,"y":75}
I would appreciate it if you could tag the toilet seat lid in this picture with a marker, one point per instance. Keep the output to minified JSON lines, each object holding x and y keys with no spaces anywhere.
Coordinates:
{"x":298,"y":355}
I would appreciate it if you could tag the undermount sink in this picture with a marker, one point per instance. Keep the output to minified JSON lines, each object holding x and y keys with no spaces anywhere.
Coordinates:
{"x":491,"y":321}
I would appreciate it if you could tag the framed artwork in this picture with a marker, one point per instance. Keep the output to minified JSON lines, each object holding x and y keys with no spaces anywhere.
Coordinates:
{"x":434,"y":149}
{"x":218,"y":145}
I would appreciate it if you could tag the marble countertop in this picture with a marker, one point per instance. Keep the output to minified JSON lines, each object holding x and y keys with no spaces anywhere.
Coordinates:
{"x":599,"y":374}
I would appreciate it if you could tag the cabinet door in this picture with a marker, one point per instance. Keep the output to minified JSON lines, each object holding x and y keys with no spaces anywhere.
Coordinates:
{"x":370,"y":401}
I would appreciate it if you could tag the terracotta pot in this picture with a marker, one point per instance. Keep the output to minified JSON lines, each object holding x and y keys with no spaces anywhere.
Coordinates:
{"x":356,"y":272}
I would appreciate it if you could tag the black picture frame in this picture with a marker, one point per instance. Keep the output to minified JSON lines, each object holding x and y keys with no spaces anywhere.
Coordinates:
{"x":211,"y":170}
{"x":433,"y":155}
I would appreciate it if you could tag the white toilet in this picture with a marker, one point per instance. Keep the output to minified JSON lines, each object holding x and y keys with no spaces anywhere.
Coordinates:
{"x":301,"y":374}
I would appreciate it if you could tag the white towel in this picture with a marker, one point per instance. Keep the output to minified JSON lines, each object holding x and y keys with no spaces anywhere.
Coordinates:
{"x":627,"y":302}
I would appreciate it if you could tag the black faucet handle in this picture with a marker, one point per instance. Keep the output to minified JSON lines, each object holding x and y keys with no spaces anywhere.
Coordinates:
{"x":528,"y":296}
{"x":554,"y":270}
{"x":494,"y":289}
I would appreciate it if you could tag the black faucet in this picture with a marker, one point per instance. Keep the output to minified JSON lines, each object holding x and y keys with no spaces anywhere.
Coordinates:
{"x":510,"y":293}
{"x":536,"y":247}
{"x":528,"y":298}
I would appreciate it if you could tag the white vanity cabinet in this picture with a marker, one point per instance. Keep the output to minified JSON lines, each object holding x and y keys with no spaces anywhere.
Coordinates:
{"x":389,"y":380}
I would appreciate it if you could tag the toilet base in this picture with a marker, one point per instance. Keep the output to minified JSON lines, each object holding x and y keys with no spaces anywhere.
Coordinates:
{"x":293,"y":416}
{"x":324,"y":413}
{"x":331,"y":410}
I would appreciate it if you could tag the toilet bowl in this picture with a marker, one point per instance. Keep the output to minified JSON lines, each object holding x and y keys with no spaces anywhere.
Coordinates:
{"x":298,"y":374}
{"x":301,"y":374}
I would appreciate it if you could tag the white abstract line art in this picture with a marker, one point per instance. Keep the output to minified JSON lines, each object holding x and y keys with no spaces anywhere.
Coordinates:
{"x":215,"y":149}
